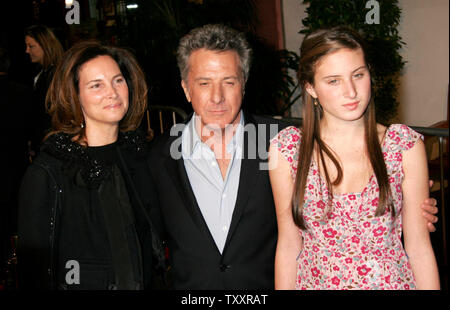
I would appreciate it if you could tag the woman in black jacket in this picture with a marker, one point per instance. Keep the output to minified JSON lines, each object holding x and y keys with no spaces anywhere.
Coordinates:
{"x":85,"y":216}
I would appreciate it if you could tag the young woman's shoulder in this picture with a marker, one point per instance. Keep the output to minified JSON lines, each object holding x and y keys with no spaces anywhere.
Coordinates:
{"x":401,"y":137}
{"x":287,"y":137}
{"x":287,"y":142}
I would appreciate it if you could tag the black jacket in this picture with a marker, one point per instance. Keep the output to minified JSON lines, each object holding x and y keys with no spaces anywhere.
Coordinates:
{"x":247,"y":260}
{"x":40,"y":120}
{"x":65,"y":214}
{"x":14,"y":102}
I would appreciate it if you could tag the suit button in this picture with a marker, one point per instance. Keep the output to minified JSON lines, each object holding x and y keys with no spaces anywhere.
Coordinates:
{"x":224,"y":267}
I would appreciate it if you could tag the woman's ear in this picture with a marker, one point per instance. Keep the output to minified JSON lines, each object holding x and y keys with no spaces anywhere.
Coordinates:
{"x":310,"y":89}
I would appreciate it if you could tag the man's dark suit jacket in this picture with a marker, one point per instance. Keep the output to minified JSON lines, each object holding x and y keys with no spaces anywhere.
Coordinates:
{"x":247,"y":261}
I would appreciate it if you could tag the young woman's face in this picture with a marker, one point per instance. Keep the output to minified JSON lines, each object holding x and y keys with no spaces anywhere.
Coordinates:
{"x":103,"y":92}
{"x":342,"y":85}
{"x":34,"y":50}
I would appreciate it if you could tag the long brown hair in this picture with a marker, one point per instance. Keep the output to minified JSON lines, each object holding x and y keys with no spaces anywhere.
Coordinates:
{"x":63,"y":103}
{"x":315,"y":46}
{"x":47,"y":40}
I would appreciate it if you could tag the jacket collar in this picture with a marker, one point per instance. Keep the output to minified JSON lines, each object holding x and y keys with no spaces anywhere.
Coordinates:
{"x":249,"y":175}
{"x":75,"y":156}
{"x":191,"y":139}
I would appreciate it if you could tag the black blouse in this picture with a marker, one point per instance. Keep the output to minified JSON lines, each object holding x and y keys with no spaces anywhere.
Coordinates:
{"x":99,"y":228}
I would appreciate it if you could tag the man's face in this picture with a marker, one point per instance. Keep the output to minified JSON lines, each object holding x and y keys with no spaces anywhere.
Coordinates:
{"x":214,"y":87}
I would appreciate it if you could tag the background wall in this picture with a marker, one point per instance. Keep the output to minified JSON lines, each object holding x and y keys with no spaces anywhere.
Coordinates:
{"x":424,"y":27}
{"x":271,"y":29}
{"x":293,"y":13}
{"x":424,"y":85}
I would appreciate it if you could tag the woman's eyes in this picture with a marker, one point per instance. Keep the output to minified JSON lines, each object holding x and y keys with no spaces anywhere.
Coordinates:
{"x":332,"y":82}
{"x":99,"y":85}
{"x":336,"y":81}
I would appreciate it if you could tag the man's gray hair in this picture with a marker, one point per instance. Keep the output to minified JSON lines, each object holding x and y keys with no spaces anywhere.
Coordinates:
{"x":218,"y":38}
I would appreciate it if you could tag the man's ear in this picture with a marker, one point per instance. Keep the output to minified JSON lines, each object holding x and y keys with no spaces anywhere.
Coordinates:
{"x":310,"y":89}
{"x":186,"y":91}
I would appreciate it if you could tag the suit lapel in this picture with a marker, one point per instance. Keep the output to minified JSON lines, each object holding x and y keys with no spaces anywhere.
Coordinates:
{"x":177,"y":172}
{"x":250,"y":173}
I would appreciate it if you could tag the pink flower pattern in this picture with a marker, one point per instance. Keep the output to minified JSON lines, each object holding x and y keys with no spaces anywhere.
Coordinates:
{"x":351,"y":248}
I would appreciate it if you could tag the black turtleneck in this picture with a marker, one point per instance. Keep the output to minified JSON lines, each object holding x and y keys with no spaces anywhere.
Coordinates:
{"x":105,"y":153}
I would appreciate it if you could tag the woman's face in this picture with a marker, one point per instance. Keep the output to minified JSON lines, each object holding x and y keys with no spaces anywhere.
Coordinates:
{"x":103,"y":92}
{"x":342,"y":85}
{"x":34,"y":50}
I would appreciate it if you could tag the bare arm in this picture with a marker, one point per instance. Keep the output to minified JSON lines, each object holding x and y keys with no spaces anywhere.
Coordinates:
{"x":289,"y":238}
{"x":416,"y":235}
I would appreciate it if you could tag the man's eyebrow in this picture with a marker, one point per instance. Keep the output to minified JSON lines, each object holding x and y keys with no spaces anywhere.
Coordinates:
{"x":202,"y":78}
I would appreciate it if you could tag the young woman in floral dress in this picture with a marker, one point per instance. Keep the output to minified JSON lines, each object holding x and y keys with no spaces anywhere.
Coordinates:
{"x":345,"y":187}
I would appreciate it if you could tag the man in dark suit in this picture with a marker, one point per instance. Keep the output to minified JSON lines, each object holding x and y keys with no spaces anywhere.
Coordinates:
{"x":210,"y":174}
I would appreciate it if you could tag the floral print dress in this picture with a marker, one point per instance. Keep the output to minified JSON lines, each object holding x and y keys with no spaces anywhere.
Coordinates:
{"x":351,"y":248}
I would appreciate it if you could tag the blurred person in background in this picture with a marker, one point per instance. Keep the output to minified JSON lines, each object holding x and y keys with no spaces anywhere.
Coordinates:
{"x":45,"y":50}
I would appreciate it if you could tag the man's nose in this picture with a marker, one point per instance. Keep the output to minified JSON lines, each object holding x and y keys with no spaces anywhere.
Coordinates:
{"x":217,"y":94}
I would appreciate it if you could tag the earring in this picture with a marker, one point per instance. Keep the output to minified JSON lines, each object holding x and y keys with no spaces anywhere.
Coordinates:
{"x":315,"y":101}
{"x":82,"y":125}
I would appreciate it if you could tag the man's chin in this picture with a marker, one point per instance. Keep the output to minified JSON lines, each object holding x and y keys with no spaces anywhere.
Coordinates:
{"x":222,"y":125}
{"x":221,"y":122}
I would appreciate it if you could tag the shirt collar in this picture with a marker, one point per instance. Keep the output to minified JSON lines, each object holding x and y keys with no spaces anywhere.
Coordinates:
{"x":191,"y":139}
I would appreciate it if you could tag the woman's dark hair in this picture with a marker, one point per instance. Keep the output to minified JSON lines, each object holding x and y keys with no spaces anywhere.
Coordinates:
{"x":315,"y":46}
{"x":47,"y":40}
{"x":63,"y":103}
